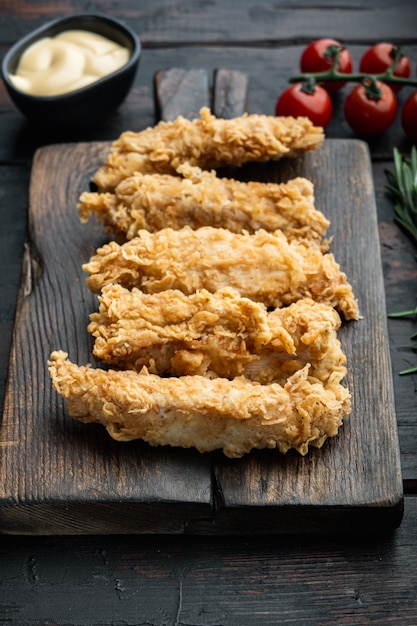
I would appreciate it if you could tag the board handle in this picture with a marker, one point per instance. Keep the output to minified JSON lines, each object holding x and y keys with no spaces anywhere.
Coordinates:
{"x":178,"y":91}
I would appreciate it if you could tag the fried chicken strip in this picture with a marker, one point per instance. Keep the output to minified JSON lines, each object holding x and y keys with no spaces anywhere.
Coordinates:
{"x":207,"y":142}
{"x":220,"y":334}
{"x":264,"y":267}
{"x":195,"y":411}
{"x":200,"y":198}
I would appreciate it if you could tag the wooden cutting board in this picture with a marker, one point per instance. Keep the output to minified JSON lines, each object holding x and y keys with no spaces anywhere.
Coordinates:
{"x":58,"y":476}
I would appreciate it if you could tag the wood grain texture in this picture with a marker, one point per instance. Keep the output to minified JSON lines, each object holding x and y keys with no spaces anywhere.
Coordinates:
{"x":185,"y":92}
{"x":181,"y":92}
{"x":345,"y":194}
{"x":231,"y":92}
{"x":211,"y":581}
{"x":12,"y":236}
{"x":59,"y":476}
{"x":249,"y":22}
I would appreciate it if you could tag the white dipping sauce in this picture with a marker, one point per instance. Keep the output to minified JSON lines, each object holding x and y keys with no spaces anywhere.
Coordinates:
{"x":69,"y":61}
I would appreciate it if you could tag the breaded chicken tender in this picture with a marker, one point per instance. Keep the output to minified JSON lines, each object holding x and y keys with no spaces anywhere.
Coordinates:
{"x":207,"y":142}
{"x":194,"y":411}
{"x":264,"y":267}
{"x":200,"y":198}
{"x":220,"y":334}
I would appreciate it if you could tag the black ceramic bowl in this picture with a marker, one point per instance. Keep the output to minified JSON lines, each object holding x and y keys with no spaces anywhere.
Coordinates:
{"x":90,"y":105}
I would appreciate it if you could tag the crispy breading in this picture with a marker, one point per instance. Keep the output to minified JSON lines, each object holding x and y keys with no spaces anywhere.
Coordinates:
{"x":207,"y":142}
{"x":194,"y":411}
{"x":200,"y":198}
{"x":220,"y":334}
{"x":264,"y":267}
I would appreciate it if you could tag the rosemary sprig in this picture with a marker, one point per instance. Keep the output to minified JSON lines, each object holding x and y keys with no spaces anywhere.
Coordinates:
{"x":402,"y":185}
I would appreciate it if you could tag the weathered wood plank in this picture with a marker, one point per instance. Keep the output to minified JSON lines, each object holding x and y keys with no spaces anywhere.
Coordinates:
{"x":217,"y":580}
{"x":246,"y":21}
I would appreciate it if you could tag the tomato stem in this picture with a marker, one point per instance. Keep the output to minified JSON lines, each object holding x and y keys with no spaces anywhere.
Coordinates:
{"x":396,"y":54}
{"x":308,"y":85}
{"x":333,"y":74}
{"x":332,"y":53}
{"x":371,"y":88}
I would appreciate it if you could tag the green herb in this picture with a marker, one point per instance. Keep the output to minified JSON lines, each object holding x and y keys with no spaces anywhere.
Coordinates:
{"x":402,"y":185}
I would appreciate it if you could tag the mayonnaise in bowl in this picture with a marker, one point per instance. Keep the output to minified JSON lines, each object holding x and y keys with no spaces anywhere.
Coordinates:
{"x":69,"y":61}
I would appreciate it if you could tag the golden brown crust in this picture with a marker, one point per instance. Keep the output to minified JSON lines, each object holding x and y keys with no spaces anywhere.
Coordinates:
{"x":220,"y":334}
{"x":264,"y":267}
{"x":195,"y":411}
{"x":207,"y":142}
{"x":185,"y":304}
{"x":200,"y":198}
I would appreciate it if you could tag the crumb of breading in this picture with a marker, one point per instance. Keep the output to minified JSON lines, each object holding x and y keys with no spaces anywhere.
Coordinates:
{"x":194,"y":411}
{"x":207,"y":142}
{"x":264,"y":267}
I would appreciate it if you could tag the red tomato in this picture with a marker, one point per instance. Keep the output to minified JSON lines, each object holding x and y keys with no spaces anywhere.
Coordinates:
{"x":317,"y":106}
{"x":377,"y":60}
{"x":314,"y":59}
{"x":409,"y":116}
{"x":368,"y":116}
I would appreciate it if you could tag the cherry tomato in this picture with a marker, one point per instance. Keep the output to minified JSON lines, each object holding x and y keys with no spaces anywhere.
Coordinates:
{"x":409,"y":116}
{"x":314,"y":59}
{"x":377,"y":60}
{"x":317,"y":106}
{"x":368,"y":116}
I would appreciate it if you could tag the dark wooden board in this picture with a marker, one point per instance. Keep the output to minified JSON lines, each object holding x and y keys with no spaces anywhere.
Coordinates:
{"x":58,"y":476}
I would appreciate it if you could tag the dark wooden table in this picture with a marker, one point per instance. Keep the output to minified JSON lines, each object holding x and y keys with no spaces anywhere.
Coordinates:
{"x":201,"y":581}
